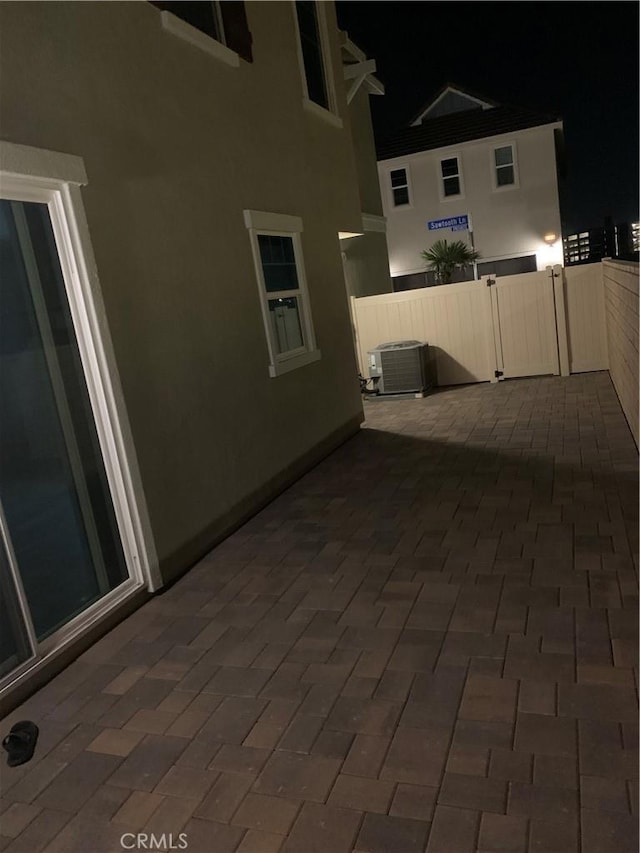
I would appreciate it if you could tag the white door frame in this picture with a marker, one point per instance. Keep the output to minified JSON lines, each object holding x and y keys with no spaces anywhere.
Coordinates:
{"x":35,"y":175}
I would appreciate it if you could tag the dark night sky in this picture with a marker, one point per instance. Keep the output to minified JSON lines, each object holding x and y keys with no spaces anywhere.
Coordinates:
{"x":577,"y":60}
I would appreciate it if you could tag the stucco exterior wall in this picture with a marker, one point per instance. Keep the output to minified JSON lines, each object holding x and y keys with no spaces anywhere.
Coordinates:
{"x":366,"y":264}
{"x":366,"y":258}
{"x":508,"y":222}
{"x":365,"y":152}
{"x":176,"y":144}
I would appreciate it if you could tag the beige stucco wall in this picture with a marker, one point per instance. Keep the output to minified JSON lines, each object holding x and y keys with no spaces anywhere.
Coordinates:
{"x":176,"y":144}
{"x":621,"y":314}
{"x":366,"y":264}
{"x":365,"y":151}
{"x":506,"y":223}
{"x":366,"y":258}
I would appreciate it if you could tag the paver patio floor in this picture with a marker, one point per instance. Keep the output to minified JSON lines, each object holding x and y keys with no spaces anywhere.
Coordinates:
{"x":427,"y":643}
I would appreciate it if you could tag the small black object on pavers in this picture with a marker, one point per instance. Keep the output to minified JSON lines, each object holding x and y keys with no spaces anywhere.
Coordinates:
{"x":20,"y":743}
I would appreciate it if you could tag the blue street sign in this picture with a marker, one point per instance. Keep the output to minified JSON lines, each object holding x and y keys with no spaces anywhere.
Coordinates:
{"x":455,"y":223}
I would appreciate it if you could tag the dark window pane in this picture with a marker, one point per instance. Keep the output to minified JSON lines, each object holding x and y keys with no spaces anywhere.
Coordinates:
{"x":509,"y":266}
{"x":53,"y":488}
{"x":451,"y":186}
{"x":450,"y":167}
{"x":401,"y":196}
{"x":504,"y":156}
{"x":505,"y":176}
{"x":312,"y":53}
{"x":237,"y":35}
{"x":278,"y":263}
{"x":398,"y":178}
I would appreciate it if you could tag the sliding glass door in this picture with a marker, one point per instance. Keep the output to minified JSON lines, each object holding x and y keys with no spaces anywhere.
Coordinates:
{"x":54,"y":496}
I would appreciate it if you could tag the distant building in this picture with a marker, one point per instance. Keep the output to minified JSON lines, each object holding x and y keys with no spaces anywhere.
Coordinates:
{"x":464,"y":154}
{"x":607,"y":241}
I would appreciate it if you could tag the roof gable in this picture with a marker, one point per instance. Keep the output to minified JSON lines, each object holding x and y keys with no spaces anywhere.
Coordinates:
{"x":451,"y":99}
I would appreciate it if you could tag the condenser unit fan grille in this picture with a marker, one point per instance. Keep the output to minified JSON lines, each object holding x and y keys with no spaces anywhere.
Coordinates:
{"x":402,"y":370}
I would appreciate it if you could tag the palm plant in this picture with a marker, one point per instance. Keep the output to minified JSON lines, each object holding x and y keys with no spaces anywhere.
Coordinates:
{"x":443,"y":258}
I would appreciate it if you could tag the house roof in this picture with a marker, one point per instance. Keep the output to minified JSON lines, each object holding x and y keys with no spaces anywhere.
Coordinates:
{"x":455,"y":128}
{"x":475,"y":100}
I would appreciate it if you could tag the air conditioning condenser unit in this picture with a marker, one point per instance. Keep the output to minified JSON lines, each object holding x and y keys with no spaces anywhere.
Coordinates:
{"x":401,"y":367}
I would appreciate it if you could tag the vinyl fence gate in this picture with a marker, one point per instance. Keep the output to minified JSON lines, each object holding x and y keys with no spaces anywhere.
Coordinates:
{"x":531,"y":324}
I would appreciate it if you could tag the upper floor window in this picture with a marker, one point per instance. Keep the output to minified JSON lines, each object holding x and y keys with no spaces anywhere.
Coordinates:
{"x":312,"y":55}
{"x":504,"y":163}
{"x":451,"y":176}
{"x":399,"y":187}
{"x":226,"y":22}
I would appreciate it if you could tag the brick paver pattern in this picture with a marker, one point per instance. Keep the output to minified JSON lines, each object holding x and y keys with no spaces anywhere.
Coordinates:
{"x":428,"y":643}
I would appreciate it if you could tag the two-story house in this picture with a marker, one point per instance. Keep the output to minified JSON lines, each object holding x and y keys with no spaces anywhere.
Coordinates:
{"x":176,"y":180}
{"x":471,"y":169}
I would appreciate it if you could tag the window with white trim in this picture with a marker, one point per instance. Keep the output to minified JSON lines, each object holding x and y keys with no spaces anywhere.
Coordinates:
{"x":451,"y":177}
{"x":277,"y":252}
{"x":504,"y":164}
{"x":399,"y":180}
{"x":224,"y":22}
{"x":318,"y":92}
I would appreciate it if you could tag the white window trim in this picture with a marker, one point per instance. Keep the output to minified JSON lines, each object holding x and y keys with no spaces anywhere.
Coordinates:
{"x":494,"y":169}
{"x":445,"y":198}
{"x":390,"y":189}
{"x":330,"y":114}
{"x":185,"y":31}
{"x":320,"y":112}
{"x":282,"y":225}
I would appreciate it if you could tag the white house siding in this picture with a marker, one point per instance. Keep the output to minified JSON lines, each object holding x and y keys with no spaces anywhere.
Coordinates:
{"x":176,"y":145}
{"x":509,"y":222}
{"x":621,"y":313}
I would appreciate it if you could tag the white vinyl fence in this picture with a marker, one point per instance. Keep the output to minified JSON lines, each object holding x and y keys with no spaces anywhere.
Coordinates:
{"x":556,"y":321}
{"x":454,"y":319}
{"x":621,"y":317}
{"x":586,"y":329}
{"x":547,"y":322}
{"x":477,"y":330}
